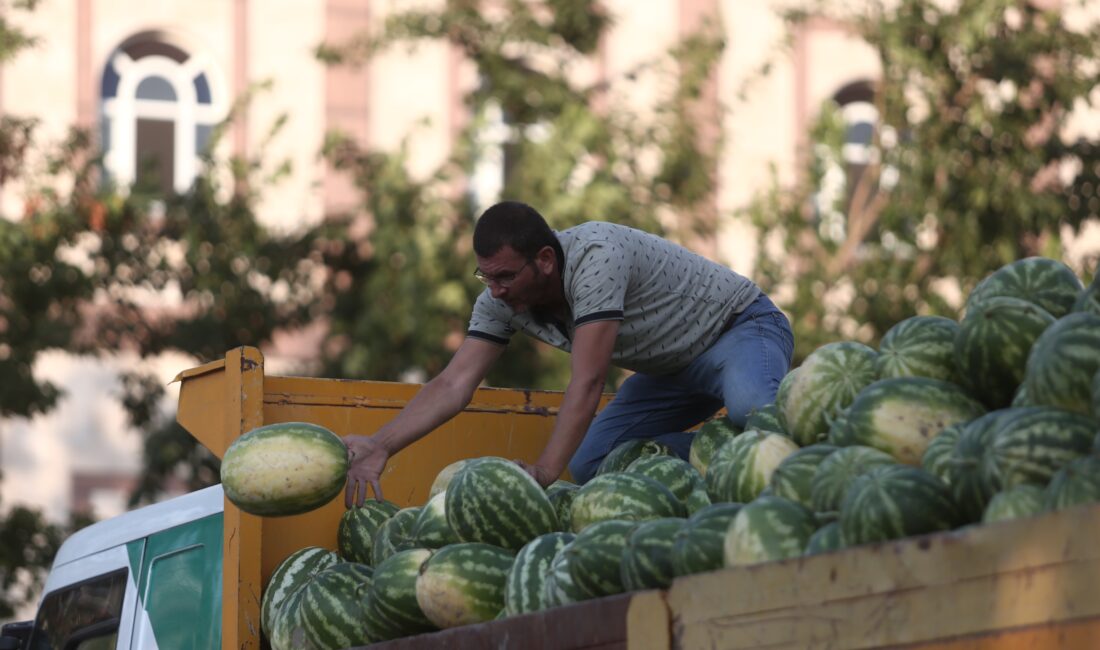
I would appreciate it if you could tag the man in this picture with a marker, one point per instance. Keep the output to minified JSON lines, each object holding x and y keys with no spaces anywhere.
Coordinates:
{"x":697,"y":336}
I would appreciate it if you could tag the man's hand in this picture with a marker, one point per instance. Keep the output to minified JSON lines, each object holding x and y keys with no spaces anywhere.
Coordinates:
{"x":543,"y":475}
{"x":368,"y":459}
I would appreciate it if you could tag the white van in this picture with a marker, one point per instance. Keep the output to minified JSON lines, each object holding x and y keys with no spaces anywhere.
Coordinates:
{"x":146,"y":579}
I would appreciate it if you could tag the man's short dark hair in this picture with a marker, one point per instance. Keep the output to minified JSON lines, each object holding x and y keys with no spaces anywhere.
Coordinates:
{"x":515,"y":224}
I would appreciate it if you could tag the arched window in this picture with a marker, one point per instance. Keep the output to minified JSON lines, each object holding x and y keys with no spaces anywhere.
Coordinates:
{"x":159,"y":105}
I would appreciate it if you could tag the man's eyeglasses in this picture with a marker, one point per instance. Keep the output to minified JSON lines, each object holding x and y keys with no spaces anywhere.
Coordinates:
{"x":503,"y":280}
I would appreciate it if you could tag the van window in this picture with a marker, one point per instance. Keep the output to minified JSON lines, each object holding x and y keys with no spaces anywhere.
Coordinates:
{"x":83,"y":616}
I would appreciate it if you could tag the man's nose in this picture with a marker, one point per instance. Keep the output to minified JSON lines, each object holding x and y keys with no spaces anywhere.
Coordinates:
{"x":496,"y":290}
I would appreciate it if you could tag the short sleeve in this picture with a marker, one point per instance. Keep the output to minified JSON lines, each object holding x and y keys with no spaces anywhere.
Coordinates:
{"x":489,"y":322}
{"x":599,"y":281}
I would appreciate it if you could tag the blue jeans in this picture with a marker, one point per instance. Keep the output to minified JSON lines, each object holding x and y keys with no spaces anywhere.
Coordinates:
{"x":740,"y":371}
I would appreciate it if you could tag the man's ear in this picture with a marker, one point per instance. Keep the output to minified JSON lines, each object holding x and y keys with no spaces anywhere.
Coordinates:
{"x":546,"y":259}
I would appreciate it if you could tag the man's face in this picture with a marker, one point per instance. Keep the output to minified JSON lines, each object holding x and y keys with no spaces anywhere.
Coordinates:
{"x":517,"y":281}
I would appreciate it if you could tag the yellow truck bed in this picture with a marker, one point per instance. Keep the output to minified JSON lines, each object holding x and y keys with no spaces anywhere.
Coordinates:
{"x":1033,"y":583}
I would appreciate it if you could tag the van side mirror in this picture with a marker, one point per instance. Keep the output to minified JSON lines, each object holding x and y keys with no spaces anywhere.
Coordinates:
{"x":14,"y":636}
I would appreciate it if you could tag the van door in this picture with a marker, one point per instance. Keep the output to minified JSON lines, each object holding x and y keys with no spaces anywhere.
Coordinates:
{"x":180,"y":587}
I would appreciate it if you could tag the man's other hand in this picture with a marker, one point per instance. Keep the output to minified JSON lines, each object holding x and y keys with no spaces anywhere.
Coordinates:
{"x":542,"y":475}
{"x":368,"y":459}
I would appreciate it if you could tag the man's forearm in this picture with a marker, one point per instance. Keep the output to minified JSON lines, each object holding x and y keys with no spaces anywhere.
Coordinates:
{"x":436,"y":403}
{"x":577,"y":410}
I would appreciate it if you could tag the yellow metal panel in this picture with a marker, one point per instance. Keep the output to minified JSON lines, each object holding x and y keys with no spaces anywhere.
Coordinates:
{"x":966,"y":582}
{"x":647,"y":622}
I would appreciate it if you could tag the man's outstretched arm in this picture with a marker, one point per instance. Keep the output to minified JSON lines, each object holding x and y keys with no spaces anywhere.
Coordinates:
{"x":591,"y":357}
{"x":437,"y":402}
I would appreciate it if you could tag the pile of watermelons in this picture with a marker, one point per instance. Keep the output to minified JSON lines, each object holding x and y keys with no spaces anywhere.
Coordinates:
{"x":947,"y":424}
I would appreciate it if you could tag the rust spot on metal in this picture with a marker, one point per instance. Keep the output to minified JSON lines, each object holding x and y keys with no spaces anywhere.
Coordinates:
{"x":248,"y":364}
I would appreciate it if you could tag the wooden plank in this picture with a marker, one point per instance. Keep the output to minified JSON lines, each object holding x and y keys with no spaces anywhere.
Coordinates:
{"x":648,"y":622}
{"x":969,"y":581}
{"x":1064,"y":635}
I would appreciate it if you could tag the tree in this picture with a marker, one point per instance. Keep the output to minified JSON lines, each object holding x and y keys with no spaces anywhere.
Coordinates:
{"x":407,"y":285}
{"x":973,"y":167}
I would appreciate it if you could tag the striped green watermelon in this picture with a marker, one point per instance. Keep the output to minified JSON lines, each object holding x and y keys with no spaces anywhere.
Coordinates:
{"x":793,"y":478}
{"x":1063,"y":362}
{"x":1088,"y":300}
{"x":293,"y":572}
{"x":464,"y":583}
{"x":1096,"y":395}
{"x":284,"y":469}
{"x":697,"y":500}
{"x":1021,"y":397}
{"x":826,"y":539}
{"x":331,"y":608}
{"x":827,"y":382}
{"x":558,"y":587}
{"x":629,"y":451}
{"x":698,"y":546}
{"x":646,"y":561}
{"x":770,"y":528}
{"x":919,"y":346}
{"x":993,"y":344}
{"x":358,"y":525}
{"x":494,"y":501}
{"x":561,"y":493}
{"x":836,"y":472}
{"x":937,"y":455}
{"x":765,"y":418}
{"x":900,"y":416}
{"x":391,"y":610}
{"x":595,"y":555}
{"x":1034,"y":444}
{"x":1024,"y":500}
{"x":395,"y":534}
{"x":963,"y":466}
{"x":674,"y":473}
{"x":445,"y":475}
{"x":525,"y":589}
{"x":895,"y":501}
{"x":745,"y":469}
{"x":1075,"y":484}
{"x":1048,"y":283}
{"x":782,"y":395}
{"x":712,"y":435}
{"x":623,"y":496}
{"x":431,"y":529}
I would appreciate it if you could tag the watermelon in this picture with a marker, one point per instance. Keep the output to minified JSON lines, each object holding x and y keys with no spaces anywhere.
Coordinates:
{"x":524,"y":590}
{"x":895,"y":501}
{"x":901,"y":416}
{"x":827,"y":382}
{"x":646,"y":561}
{"x":698,"y":546}
{"x":284,"y":469}
{"x":743,"y":470}
{"x":676,"y":474}
{"x":1048,"y":283}
{"x":970,"y":491}
{"x":1063,"y":362}
{"x":494,"y":501}
{"x":558,"y":587}
{"x":993,"y":344}
{"x":1032,"y":445}
{"x":292,"y":573}
{"x":431,"y":529}
{"x":770,"y":528}
{"x":919,"y":346}
{"x":826,"y":539}
{"x":395,"y":534}
{"x":1024,"y":500}
{"x":937,"y":455}
{"x":782,"y":395}
{"x":331,"y":608}
{"x":358,"y":525}
{"x":627,"y":452}
{"x":1096,"y":395}
{"x":623,"y":496}
{"x":445,"y":475}
{"x":712,"y":435}
{"x":836,"y":472}
{"x":1088,"y":300}
{"x":1021,"y":397}
{"x":697,"y":500}
{"x":765,"y":418}
{"x":793,"y":478}
{"x":595,"y":556}
{"x":391,"y":610}
{"x":463,"y":583}
{"x":561,"y":493}
{"x":1075,"y":484}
